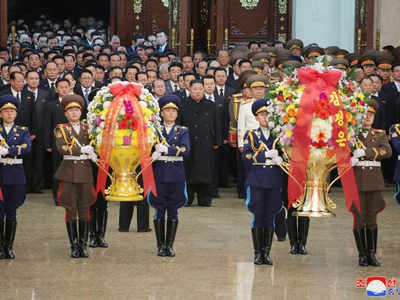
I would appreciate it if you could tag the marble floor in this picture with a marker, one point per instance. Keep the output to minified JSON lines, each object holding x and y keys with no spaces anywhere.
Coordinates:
{"x":214,"y":258}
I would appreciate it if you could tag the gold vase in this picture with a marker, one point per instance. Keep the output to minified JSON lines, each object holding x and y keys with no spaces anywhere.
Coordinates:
{"x":315,"y":201}
{"x":124,"y":162}
{"x":124,"y":187}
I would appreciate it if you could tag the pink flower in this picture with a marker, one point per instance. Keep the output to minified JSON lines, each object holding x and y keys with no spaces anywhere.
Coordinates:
{"x":127,"y":140}
{"x":97,"y":121}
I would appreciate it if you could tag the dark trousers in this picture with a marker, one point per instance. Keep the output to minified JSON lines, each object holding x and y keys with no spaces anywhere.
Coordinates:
{"x":37,"y":165}
{"x":241,"y":175}
{"x":126,"y":213}
{"x":100,"y":206}
{"x":203,"y":193}
{"x":13,"y":197}
{"x":222,"y":161}
{"x":55,"y":161}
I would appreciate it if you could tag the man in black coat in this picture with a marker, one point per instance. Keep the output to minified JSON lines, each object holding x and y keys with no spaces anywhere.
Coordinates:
{"x":199,"y":115}
{"x":40,"y":98}
{"x":54,"y":115}
{"x":390,"y":93}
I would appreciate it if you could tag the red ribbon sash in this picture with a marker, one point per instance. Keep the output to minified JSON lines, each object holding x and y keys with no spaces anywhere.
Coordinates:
{"x":316,"y":83}
{"x":131,"y":93}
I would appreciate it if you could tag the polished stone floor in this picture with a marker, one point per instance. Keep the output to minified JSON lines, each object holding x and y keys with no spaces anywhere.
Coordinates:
{"x":214,"y":258}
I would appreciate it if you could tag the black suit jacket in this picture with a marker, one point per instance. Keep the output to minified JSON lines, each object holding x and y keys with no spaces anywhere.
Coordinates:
{"x":392,"y":97}
{"x":44,"y":85}
{"x":40,"y":104}
{"x":26,"y":110}
{"x":221,"y":104}
{"x":53,"y":115}
{"x":228,"y":92}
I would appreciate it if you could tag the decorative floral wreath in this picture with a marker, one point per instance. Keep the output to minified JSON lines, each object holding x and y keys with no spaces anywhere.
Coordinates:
{"x":286,"y":97}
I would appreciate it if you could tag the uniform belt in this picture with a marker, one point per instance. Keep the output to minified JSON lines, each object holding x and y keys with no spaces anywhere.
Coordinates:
{"x":268,"y":162}
{"x":72,"y":157}
{"x":11,"y":161}
{"x":171,"y":158}
{"x":368,"y":163}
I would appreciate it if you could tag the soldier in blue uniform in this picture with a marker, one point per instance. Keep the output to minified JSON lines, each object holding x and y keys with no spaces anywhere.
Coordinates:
{"x":263,"y":182}
{"x":14,"y":143}
{"x":169,"y":175}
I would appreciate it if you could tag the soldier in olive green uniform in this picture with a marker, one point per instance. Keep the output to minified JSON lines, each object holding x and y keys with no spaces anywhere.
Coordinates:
{"x":76,"y":193}
{"x":373,"y":147}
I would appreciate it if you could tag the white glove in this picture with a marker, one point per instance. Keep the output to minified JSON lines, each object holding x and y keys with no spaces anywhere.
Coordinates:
{"x":87,"y":149}
{"x":156,"y":155}
{"x":93,"y":157}
{"x":162,"y":148}
{"x":359,"y":153}
{"x":271,"y":153}
{"x":354,"y":161}
{"x":278,"y":160}
{"x":3,"y":151}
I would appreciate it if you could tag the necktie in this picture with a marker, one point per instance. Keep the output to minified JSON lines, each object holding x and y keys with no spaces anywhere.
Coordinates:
{"x":87,"y":96}
{"x":221,"y":92}
{"x":175,"y":87}
{"x":18,"y":98}
{"x":52,"y":85}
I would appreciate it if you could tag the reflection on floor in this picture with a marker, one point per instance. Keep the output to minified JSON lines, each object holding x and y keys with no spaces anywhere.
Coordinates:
{"x":214,"y":258}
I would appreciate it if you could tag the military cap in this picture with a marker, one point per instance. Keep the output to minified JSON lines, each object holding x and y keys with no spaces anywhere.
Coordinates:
{"x":295,"y":44}
{"x":258,"y":80}
{"x":260,"y":105}
{"x":367,"y":60}
{"x":169,"y":101}
{"x":262,"y":56}
{"x":71,"y":101}
{"x":257,"y":66}
{"x":341,"y":53}
{"x":244,"y":77}
{"x":8,"y":101}
{"x":313,"y":51}
{"x":340,"y":63}
{"x":384,"y":63}
{"x":290,"y":63}
{"x":353,"y":59}
{"x":331,"y":50}
{"x":373,"y":106}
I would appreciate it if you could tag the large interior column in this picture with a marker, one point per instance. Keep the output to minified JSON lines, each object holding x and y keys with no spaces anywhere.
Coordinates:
{"x":3,"y":23}
{"x":325,"y":22}
{"x":388,"y":22}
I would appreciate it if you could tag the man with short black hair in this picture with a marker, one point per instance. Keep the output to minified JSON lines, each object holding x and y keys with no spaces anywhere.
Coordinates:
{"x":199,"y":115}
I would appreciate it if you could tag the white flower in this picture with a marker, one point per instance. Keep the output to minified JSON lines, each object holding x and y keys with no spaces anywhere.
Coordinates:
{"x":319,"y":125}
{"x":106,"y":104}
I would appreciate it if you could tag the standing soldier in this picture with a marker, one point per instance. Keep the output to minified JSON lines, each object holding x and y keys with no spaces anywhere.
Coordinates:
{"x":233,"y":108}
{"x":373,"y":147}
{"x":15,"y":142}
{"x":169,"y":174}
{"x":76,"y":193}
{"x":263,"y":182}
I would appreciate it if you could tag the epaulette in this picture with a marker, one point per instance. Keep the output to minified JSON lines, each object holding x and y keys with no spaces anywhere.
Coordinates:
{"x":395,"y":130}
{"x":61,"y":125}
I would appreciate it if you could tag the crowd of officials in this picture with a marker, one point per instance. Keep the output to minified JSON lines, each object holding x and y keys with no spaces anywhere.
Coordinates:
{"x":50,"y":60}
